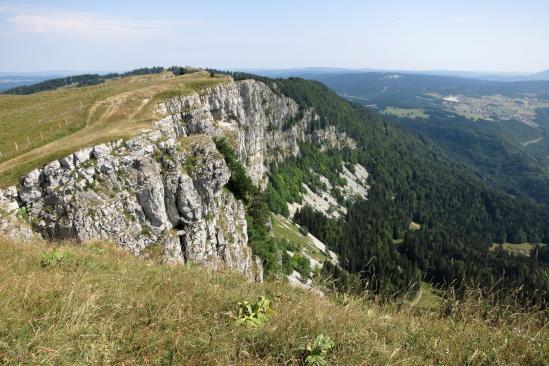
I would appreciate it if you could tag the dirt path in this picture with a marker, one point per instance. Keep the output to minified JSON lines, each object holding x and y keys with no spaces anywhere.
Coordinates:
{"x":418,"y":297}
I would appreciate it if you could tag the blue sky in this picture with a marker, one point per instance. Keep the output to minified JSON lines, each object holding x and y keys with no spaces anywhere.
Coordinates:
{"x":486,"y":35}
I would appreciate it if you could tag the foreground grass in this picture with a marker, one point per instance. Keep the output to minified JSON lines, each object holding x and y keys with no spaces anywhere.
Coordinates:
{"x":98,"y":305}
{"x":38,"y":128}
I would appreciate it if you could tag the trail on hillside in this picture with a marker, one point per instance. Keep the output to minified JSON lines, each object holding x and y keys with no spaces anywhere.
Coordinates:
{"x":418,"y":297}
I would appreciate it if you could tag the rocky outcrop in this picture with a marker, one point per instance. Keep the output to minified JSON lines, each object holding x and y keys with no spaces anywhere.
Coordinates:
{"x":155,"y":190}
{"x":12,"y":219}
{"x":164,"y":188}
{"x":265,"y":127}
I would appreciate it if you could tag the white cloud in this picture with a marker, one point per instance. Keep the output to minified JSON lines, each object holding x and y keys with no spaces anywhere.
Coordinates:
{"x":87,"y":25}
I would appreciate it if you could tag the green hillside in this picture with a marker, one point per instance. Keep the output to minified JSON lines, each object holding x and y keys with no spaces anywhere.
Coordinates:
{"x":498,"y":130}
{"x":458,"y":215}
{"x":412,"y":180}
{"x":41,"y":127}
{"x":95,"y":304}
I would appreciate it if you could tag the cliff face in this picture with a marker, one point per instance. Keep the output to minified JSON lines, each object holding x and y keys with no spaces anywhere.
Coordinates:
{"x":265,"y":127}
{"x":162,"y":191}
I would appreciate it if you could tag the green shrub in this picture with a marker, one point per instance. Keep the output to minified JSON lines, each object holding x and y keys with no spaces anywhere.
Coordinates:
{"x":292,"y":246}
{"x":287,"y":264}
{"x":301,"y":264}
{"x":190,"y":164}
{"x":53,"y":257}
{"x":304,"y":230}
{"x":316,"y":353}
{"x":239,"y":183}
{"x":254,"y":315}
{"x":266,"y":248}
{"x":23,"y":213}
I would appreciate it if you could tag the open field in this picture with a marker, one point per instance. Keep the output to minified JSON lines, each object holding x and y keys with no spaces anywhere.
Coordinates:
{"x":41,"y":127}
{"x":99,"y":305}
{"x":406,"y":112}
{"x":522,"y":248}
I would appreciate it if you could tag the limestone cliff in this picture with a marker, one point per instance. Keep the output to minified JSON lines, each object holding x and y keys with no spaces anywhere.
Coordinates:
{"x":163,"y":188}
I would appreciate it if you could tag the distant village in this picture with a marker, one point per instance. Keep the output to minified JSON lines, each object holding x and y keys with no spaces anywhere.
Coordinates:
{"x":494,"y":107}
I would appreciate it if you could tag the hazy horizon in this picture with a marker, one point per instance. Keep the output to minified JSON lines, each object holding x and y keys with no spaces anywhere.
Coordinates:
{"x":471,"y":36}
{"x":259,"y":68}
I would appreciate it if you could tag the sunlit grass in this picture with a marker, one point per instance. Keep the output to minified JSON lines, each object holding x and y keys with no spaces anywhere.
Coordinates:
{"x":37,"y":128}
{"x":95,"y":304}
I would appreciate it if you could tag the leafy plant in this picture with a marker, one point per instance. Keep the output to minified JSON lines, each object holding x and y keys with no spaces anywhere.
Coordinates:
{"x":316,"y":353}
{"x":301,"y":264}
{"x":23,"y":213}
{"x":53,"y":257}
{"x":254,"y":315}
{"x":190,"y":163}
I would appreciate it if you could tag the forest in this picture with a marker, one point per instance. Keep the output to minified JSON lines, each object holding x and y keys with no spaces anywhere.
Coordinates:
{"x":494,"y":152}
{"x":413,"y":180}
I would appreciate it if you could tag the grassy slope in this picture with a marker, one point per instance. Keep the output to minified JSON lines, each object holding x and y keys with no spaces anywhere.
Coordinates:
{"x":285,"y":229}
{"x":522,"y":248}
{"x":49,"y":125}
{"x":100,"y":305}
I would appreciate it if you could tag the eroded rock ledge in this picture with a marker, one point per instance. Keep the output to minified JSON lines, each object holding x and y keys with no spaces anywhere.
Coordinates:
{"x":162,"y":191}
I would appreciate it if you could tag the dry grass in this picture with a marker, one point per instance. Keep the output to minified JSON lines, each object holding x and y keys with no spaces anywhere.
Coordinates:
{"x":101,"y":306}
{"x":38,"y":128}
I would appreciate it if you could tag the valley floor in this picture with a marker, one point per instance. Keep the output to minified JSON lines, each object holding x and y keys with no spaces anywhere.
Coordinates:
{"x":94,"y":304}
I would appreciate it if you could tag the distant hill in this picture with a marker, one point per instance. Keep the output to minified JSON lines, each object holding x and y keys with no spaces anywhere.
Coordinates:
{"x":544,"y":75}
{"x":475,"y":75}
{"x":13,"y":81}
{"x":510,"y":153}
{"x":368,"y":84}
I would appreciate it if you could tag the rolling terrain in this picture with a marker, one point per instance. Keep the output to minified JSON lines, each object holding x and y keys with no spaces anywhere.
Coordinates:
{"x":41,"y":127}
{"x":273,"y":184}
{"x":405,"y":178}
{"x":498,"y":130}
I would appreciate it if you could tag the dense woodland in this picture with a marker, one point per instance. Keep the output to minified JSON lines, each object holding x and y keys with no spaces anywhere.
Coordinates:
{"x":412,"y":180}
{"x":494,"y":152}
{"x":404,"y":88}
